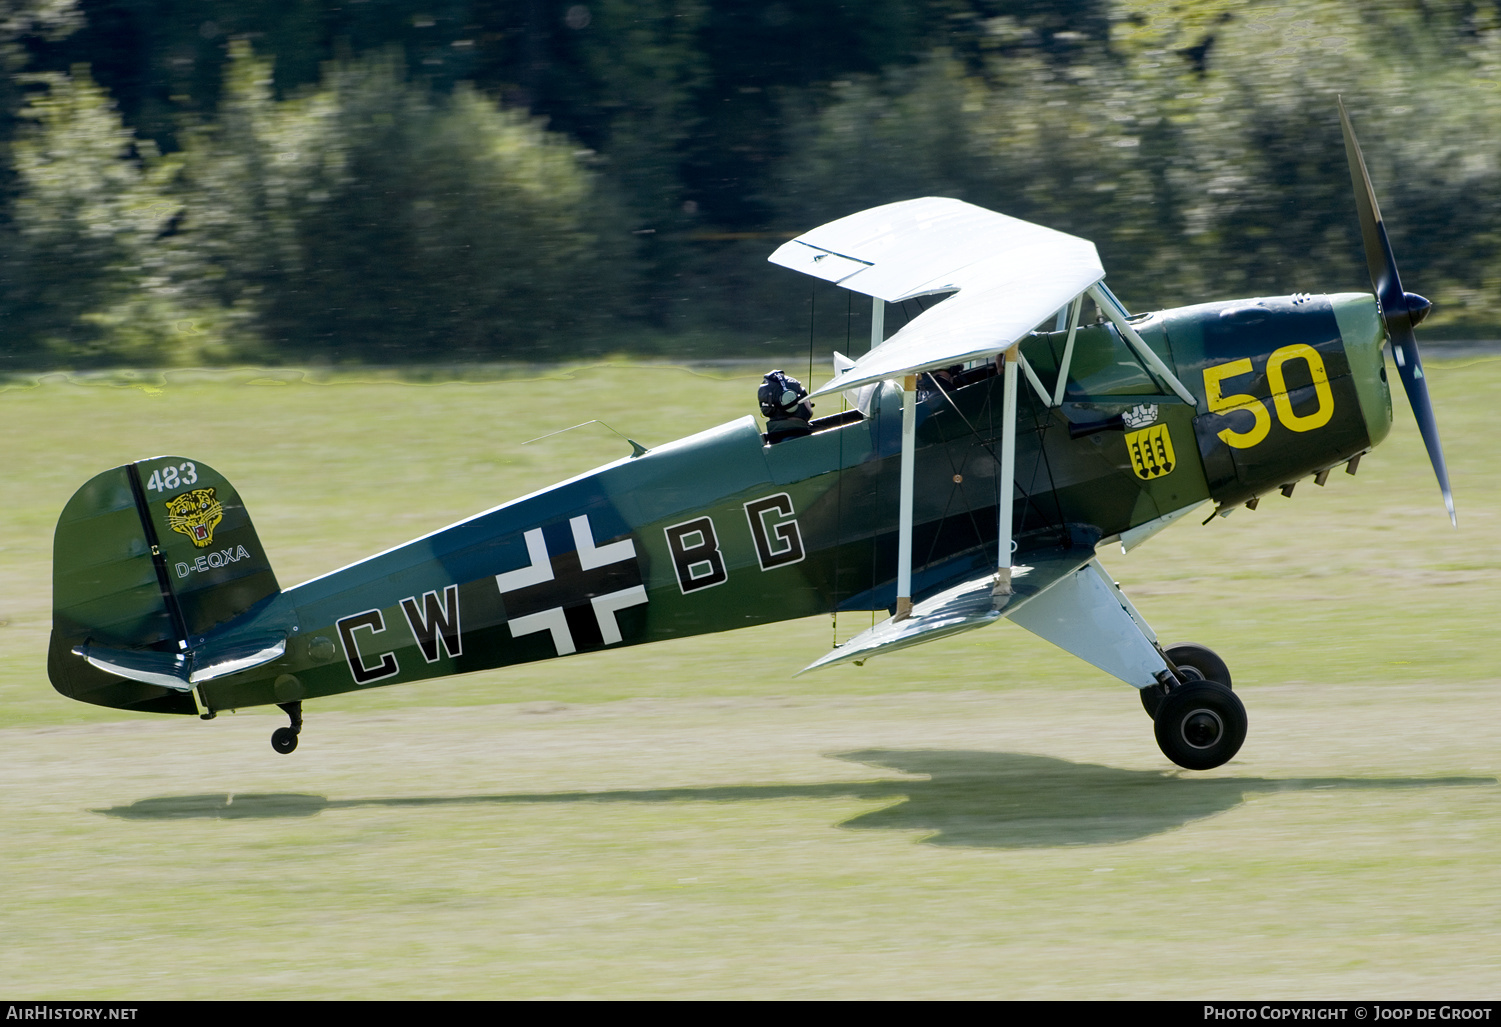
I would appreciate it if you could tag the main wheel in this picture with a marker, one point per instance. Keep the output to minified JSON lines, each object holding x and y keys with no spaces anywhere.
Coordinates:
{"x":1200,"y":660}
{"x":284,"y":740}
{"x":1200,"y":725}
{"x":1196,"y":663}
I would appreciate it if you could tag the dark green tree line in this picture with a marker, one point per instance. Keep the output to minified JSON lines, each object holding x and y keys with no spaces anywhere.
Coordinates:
{"x":292,"y":180}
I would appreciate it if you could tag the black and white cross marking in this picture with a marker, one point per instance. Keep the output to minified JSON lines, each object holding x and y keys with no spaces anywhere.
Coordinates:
{"x":574,"y":595}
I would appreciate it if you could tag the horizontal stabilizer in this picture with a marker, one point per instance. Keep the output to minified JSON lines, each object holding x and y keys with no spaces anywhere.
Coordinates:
{"x":169,"y":670}
{"x":180,"y":671}
{"x":211,"y":662}
{"x":962,"y":607}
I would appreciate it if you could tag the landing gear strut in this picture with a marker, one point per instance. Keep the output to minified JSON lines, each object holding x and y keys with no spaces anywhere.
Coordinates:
{"x":284,"y":739}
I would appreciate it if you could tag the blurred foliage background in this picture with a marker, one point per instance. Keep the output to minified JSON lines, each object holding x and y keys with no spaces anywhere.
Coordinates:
{"x":192,"y":182}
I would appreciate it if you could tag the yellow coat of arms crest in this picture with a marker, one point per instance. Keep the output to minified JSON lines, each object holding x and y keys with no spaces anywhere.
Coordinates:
{"x":1151,"y":452}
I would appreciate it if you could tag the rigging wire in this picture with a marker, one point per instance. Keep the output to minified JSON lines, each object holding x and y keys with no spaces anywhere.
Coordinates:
{"x":1028,"y":496}
{"x":987,"y":447}
{"x":812,"y":305}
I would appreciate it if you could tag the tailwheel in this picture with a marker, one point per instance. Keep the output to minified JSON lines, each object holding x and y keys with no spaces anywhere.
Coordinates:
{"x":1200,"y":725}
{"x":1194,"y":662}
{"x":284,"y":739}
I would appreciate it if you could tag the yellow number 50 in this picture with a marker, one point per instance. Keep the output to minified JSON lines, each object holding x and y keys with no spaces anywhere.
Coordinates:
{"x":1277,"y":382}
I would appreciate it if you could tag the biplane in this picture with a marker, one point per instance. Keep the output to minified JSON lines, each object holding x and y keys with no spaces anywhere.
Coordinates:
{"x":1062,"y":423}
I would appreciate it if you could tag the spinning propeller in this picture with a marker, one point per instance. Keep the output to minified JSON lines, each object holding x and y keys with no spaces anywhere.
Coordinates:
{"x":1401,"y":311}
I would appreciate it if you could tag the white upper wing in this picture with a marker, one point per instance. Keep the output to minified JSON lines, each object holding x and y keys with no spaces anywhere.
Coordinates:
{"x":1009,"y":275}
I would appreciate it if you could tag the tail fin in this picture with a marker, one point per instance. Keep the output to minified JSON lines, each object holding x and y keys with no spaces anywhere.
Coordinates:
{"x":148,"y":559}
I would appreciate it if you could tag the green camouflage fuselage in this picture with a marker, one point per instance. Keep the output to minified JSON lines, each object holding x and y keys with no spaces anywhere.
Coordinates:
{"x":718,"y":530}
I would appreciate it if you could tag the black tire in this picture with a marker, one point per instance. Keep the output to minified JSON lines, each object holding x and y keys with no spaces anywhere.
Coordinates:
{"x":1195,"y":660}
{"x":1200,"y":725}
{"x":1151,"y":699}
{"x":284,"y":740}
{"x":1195,"y":663}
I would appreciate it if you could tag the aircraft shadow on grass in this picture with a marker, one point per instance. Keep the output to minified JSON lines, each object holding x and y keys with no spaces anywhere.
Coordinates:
{"x":991,"y":800}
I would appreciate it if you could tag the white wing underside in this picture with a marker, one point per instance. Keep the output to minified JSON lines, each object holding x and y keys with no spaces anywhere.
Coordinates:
{"x":1063,"y":595}
{"x":1009,"y":276}
{"x":962,"y":606}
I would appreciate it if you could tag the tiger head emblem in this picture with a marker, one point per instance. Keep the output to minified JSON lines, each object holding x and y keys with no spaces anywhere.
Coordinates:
{"x":195,"y":514}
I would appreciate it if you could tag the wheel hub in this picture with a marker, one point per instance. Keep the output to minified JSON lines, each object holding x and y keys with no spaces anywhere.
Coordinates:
{"x":1202,"y":728}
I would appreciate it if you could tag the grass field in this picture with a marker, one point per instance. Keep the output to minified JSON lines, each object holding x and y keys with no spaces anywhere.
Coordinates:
{"x":987,"y":817}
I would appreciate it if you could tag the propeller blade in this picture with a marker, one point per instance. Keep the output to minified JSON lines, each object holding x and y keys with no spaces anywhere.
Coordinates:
{"x":1399,"y":310}
{"x":1410,"y":367}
